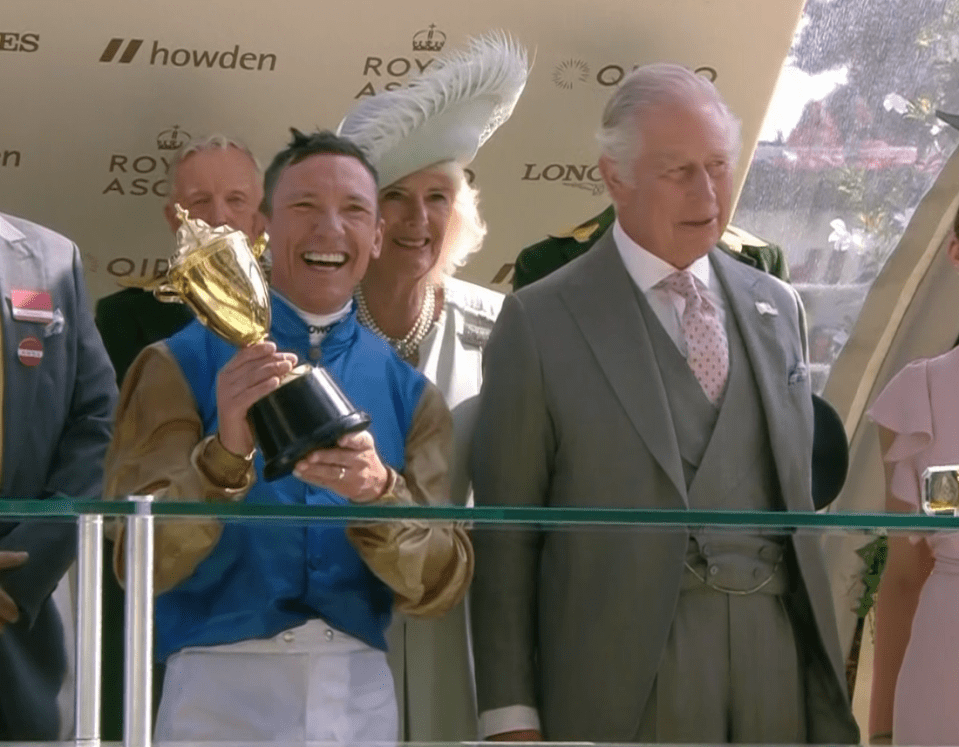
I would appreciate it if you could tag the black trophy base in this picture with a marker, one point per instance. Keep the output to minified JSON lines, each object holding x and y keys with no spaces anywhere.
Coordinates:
{"x":306,"y":413}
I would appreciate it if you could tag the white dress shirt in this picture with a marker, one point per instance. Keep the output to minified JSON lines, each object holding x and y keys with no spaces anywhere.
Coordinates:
{"x":647,"y":271}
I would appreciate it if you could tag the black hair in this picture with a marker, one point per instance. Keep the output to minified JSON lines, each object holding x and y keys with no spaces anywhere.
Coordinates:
{"x":301,"y":147}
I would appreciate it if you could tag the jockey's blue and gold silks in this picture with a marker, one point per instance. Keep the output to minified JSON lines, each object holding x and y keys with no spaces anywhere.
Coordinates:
{"x":265,"y":577}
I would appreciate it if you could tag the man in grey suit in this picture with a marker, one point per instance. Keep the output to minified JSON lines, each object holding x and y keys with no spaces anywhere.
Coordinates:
{"x":654,"y":372}
{"x":58,"y":396}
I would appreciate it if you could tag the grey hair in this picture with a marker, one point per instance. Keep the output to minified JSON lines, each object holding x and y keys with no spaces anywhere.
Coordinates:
{"x":466,"y":229}
{"x":215,"y":141}
{"x":646,"y":87}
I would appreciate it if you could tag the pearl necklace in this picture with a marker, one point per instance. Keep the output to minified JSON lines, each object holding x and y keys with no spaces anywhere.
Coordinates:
{"x":408,"y":346}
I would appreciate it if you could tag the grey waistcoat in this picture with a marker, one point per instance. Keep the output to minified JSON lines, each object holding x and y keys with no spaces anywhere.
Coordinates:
{"x":727,"y":461}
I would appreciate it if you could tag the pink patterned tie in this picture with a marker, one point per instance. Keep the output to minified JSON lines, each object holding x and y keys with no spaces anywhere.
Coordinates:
{"x":706,"y":343}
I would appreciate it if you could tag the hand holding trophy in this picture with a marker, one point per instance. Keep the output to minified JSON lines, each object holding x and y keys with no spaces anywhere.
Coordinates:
{"x":216,"y":273}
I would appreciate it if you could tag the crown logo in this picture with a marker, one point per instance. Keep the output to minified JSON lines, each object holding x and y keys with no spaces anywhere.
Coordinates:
{"x":172,"y":139}
{"x":429,"y":39}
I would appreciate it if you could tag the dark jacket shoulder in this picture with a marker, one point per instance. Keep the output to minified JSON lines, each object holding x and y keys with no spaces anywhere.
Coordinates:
{"x":540,"y":259}
{"x":131,"y":319}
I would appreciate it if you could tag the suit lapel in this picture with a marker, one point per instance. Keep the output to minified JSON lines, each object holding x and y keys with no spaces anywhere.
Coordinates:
{"x":602,"y":299}
{"x":764,"y":337}
{"x":19,"y":269}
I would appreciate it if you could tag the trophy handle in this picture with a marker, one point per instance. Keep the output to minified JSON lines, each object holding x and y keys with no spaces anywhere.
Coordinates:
{"x":161,"y":290}
{"x":167,"y":294}
{"x":141,"y":283}
{"x":259,"y":246}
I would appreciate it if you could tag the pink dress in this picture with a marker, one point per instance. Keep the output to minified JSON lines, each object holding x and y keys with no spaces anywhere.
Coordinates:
{"x":921,"y":407}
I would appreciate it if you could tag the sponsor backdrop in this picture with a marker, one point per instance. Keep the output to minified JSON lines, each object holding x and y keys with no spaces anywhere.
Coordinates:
{"x":98,"y":95}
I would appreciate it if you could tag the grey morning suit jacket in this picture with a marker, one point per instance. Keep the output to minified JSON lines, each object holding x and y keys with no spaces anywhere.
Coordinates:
{"x":56,"y":426}
{"x":573,"y":412}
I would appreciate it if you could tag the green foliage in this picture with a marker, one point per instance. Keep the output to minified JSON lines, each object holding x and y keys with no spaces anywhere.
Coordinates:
{"x":874,"y":561}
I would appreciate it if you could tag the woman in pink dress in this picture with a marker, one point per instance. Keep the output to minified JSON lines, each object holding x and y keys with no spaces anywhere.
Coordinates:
{"x":915,"y":690}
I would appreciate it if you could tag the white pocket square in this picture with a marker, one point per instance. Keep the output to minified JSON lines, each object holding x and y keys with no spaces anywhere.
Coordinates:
{"x":56,"y":326}
{"x":799,"y":373}
{"x":766,"y":308}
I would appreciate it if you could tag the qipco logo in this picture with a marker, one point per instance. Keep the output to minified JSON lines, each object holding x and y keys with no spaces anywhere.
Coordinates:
{"x":612,"y":75}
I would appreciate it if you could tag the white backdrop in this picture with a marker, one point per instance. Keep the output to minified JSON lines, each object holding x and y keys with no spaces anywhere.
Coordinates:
{"x":97,"y":94}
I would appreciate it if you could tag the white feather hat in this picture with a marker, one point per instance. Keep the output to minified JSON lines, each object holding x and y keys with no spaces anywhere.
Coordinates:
{"x":446,"y":113}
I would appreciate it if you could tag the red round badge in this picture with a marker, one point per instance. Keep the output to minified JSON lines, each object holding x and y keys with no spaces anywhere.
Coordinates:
{"x":30,"y":352}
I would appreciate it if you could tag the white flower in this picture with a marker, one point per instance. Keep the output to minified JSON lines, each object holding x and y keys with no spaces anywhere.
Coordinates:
{"x":842,"y":239}
{"x":839,"y":230}
{"x":903,"y":217}
{"x":895,"y":102}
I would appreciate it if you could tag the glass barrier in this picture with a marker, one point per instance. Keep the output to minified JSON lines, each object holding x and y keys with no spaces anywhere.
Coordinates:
{"x":641,"y":584}
{"x":850,"y":144}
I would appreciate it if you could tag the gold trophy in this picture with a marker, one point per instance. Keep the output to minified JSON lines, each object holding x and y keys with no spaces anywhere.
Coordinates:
{"x":216,"y":273}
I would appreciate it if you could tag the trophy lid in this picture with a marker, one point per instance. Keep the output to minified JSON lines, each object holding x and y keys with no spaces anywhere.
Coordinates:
{"x":195,"y":233}
{"x":216,"y":273}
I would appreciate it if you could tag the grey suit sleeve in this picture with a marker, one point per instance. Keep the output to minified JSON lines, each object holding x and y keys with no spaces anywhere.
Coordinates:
{"x":800,"y":315}
{"x":510,"y":462}
{"x":77,"y":470}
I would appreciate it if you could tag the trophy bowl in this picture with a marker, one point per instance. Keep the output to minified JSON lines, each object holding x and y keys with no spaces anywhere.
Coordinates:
{"x":216,"y":273}
{"x":222,"y":282}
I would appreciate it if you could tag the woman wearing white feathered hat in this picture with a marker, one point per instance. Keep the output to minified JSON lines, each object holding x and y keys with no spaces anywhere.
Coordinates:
{"x":420,"y":138}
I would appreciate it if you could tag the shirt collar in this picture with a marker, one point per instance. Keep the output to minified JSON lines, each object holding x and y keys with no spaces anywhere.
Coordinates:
{"x":318,"y":320}
{"x":291,"y":331}
{"x":646,"y":269}
{"x":10,"y":232}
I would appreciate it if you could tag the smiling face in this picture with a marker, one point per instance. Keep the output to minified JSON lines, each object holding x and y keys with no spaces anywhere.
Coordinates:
{"x":675,"y":197}
{"x":416,"y":213}
{"x":220,"y":186}
{"x":323,"y":231}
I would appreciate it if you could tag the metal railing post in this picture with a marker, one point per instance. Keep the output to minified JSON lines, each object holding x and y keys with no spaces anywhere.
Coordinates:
{"x":138,"y":659}
{"x":89,"y":623}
